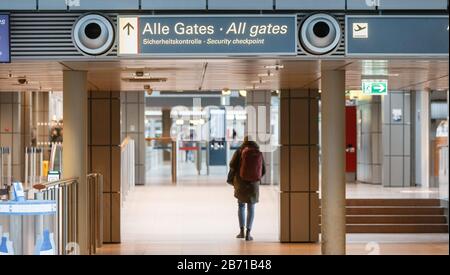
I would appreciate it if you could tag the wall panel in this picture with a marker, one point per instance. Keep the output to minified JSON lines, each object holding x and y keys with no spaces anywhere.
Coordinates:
{"x":299,"y":166}
{"x":105,"y":157}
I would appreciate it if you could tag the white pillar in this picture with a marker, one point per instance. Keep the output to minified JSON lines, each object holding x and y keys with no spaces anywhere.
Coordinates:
{"x":333,"y":162}
{"x":424,"y":138}
{"x":75,"y":154}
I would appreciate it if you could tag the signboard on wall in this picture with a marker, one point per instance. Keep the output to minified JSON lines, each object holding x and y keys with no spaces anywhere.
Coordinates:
{"x":207,"y":35}
{"x":397,"y":35}
{"x":374,"y":87}
{"x":5,"y":56}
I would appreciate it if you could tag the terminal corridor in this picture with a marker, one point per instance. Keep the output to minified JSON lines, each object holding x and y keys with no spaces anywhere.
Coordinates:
{"x":191,"y":218}
{"x":121,"y":123}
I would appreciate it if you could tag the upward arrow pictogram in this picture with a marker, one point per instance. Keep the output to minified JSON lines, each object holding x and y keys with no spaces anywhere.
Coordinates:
{"x":128,"y":26}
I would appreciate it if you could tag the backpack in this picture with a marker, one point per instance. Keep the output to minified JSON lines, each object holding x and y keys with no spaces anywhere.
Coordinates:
{"x":251,"y":164}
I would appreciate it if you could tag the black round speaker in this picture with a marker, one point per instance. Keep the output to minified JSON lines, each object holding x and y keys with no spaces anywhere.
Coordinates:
{"x":93,"y":34}
{"x":320,"y":34}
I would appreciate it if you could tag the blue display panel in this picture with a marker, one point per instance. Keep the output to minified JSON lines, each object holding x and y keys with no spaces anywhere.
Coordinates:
{"x":5,"y":56}
{"x":397,"y":35}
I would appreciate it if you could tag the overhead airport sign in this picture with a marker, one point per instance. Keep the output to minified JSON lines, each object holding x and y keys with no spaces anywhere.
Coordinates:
{"x":374,"y":87}
{"x":5,"y":56}
{"x":207,"y":35}
{"x":397,"y":35}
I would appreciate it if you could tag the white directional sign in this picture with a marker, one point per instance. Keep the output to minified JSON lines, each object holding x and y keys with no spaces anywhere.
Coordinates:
{"x":207,"y":35}
{"x":128,"y":33}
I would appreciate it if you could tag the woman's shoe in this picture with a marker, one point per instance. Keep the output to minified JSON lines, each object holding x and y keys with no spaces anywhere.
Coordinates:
{"x":241,"y":234}
{"x":248,"y":237}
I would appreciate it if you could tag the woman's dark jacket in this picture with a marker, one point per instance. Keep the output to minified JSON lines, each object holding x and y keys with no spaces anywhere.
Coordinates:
{"x":244,"y":191}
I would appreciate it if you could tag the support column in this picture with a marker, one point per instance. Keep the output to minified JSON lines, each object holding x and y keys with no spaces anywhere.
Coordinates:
{"x":166,"y":125}
{"x":299,"y":166}
{"x":422,"y":138}
{"x":333,"y":162}
{"x":105,"y":156}
{"x":369,"y":153}
{"x":396,"y":111}
{"x":75,"y":155}
{"x":133,"y":125}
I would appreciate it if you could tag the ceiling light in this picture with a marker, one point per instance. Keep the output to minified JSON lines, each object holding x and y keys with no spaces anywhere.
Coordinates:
{"x":148,"y":90}
{"x":274,"y":67}
{"x":153,"y":113}
{"x":243,"y":93}
{"x":226,"y":91}
{"x":139,"y":73}
{"x":275,"y":92}
{"x":145,"y":79}
{"x":261,"y":81}
{"x":377,"y":77}
{"x":269,"y":73}
{"x":254,"y":87}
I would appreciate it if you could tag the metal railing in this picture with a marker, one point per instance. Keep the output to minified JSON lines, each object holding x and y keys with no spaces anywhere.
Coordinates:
{"x":34,"y":157}
{"x":95,"y":208}
{"x":65,"y":193}
{"x":5,"y":167}
{"x":127,"y":166}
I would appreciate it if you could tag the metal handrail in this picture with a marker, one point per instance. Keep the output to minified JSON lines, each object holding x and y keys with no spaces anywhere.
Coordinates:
{"x":65,"y":193}
{"x":59,"y":182}
{"x":127,"y":160}
{"x":95,"y":195}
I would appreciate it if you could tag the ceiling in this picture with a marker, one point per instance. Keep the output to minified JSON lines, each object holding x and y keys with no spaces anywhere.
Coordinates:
{"x":217,"y":74}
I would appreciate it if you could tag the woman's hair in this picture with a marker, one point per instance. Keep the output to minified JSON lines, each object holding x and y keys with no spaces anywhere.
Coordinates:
{"x":248,"y":139}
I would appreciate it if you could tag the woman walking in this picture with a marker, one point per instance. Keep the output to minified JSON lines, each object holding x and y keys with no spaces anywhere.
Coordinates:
{"x":247,"y":167}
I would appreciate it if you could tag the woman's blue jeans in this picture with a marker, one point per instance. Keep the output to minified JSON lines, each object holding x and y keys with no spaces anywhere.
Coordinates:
{"x":250,"y":215}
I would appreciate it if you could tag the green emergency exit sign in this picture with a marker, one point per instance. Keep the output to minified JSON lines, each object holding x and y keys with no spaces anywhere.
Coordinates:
{"x":375,"y":87}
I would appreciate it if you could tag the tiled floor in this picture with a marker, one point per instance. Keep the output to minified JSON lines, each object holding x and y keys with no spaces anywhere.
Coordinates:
{"x":361,"y":190}
{"x":234,"y":247}
{"x":191,"y":218}
{"x":198,"y":216}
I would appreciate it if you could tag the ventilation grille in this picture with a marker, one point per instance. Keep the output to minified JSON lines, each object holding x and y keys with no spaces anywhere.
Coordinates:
{"x":340,"y":49}
{"x":46,"y":35}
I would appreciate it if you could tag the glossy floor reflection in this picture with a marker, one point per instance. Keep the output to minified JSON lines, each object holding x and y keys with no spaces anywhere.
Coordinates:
{"x":198,"y":219}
